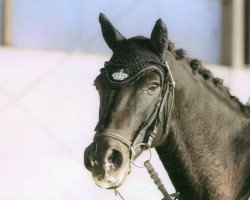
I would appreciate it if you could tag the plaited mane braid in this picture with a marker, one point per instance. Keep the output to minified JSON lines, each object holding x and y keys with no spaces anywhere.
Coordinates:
{"x":180,"y":54}
{"x":197,"y":66}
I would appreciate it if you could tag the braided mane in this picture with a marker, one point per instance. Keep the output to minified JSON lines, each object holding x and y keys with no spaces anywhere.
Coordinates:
{"x":197,"y":67}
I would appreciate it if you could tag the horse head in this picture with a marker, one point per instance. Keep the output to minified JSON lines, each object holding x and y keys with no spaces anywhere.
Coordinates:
{"x":133,"y":87}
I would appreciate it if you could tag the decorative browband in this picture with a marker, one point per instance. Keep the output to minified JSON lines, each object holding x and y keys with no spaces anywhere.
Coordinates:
{"x":122,"y":75}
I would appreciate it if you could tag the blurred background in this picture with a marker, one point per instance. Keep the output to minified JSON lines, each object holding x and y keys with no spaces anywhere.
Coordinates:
{"x":50,"y":54}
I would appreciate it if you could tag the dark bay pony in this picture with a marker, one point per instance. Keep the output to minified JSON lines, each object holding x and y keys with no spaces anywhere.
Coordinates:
{"x":152,"y":95}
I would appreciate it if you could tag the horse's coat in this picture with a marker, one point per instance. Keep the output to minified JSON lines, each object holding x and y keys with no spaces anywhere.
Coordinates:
{"x":207,"y":149}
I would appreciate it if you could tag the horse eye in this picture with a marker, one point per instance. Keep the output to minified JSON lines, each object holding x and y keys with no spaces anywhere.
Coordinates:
{"x":152,"y":87}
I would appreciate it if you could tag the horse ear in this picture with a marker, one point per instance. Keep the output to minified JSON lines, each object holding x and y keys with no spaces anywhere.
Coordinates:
{"x":159,"y":37}
{"x":110,"y":33}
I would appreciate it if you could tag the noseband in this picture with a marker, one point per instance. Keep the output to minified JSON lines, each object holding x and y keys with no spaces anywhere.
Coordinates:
{"x":163,"y":104}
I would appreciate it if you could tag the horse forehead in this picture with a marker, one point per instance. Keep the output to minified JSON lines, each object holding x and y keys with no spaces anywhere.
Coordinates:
{"x":133,"y":50}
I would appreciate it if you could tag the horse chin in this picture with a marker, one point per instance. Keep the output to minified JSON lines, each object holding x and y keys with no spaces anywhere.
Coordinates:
{"x":111,"y":182}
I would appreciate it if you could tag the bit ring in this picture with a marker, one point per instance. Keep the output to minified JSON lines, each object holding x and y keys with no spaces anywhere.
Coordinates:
{"x":133,"y":152}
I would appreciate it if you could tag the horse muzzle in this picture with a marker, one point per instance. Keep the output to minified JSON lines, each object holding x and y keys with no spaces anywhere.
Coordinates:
{"x":108,"y":165}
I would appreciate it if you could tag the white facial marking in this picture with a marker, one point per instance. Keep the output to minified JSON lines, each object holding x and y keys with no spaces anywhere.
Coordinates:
{"x":107,"y":166}
{"x":109,"y":180}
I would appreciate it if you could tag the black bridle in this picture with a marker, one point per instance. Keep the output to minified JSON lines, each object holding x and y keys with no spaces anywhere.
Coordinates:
{"x":163,"y":104}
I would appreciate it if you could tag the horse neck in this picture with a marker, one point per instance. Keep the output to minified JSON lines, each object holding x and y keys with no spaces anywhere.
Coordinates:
{"x":199,"y":152}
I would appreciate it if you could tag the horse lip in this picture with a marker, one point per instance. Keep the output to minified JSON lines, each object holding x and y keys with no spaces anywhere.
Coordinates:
{"x":112,"y":187}
{"x":106,"y":183}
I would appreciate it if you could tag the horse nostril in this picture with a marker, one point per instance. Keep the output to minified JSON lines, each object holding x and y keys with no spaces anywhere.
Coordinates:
{"x":88,"y":162}
{"x":115,"y":159}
